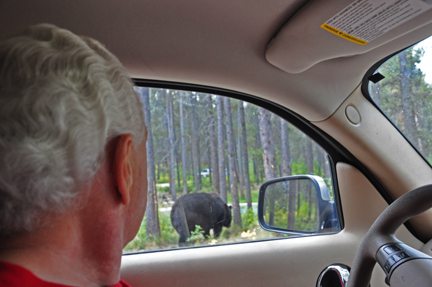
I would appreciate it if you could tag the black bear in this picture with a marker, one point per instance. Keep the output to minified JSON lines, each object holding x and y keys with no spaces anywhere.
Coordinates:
{"x":204,"y":209}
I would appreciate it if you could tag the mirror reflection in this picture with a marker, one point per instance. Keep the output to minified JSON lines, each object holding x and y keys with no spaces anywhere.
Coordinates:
{"x":292,"y":205}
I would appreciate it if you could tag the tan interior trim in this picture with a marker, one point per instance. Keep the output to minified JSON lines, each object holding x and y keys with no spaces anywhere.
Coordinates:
{"x":386,"y":153}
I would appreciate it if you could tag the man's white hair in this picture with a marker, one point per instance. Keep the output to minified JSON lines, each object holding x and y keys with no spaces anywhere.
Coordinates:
{"x":62,"y":98}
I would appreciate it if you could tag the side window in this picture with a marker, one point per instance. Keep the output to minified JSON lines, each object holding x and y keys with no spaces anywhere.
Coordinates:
{"x":207,"y":157}
{"x":405,"y":94}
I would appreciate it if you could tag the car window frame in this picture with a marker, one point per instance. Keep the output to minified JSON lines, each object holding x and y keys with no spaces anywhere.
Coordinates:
{"x":337,"y":153}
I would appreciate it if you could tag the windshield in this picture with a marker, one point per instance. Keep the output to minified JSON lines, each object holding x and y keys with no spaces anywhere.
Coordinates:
{"x":405,"y":94}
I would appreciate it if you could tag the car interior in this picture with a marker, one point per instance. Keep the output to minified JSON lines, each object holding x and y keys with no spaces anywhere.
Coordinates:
{"x":298,"y":59}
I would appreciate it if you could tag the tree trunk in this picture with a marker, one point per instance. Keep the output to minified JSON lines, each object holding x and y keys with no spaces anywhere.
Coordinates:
{"x":183,"y":146}
{"x":240,"y":154}
{"x":310,"y":167}
{"x":269,"y":158}
{"x":221,"y":156}
{"x":171,"y":144}
{"x":227,"y":170}
{"x":410,"y":125}
{"x":262,"y":173}
{"x":177,"y":169}
{"x":152,"y":216}
{"x":199,"y":158}
{"x":256,"y":170}
{"x":286,"y":162}
{"x":298,"y":201}
{"x":276,"y":126}
{"x":195,"y":155}
{"x":176,"y":152}
{"x":242,"y":124}
{"x":292,"y":206}
{"x":209,"y":161}
{"x":257,"y":146}
{"x":232,"y":163}
{"x":213,"y":146}
{"x":285,"y":151}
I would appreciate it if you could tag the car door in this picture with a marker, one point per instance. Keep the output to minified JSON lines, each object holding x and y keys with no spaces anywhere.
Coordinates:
{"x":279,"y":261}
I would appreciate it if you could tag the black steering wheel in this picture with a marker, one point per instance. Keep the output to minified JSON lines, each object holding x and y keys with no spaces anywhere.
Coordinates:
{"x":403,"y":265}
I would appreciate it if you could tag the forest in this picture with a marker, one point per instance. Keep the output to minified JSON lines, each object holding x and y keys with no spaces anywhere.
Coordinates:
{"x":243,"y":145}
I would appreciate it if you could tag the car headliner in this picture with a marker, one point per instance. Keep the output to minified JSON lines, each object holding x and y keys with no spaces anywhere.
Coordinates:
{"x":223,"y":44}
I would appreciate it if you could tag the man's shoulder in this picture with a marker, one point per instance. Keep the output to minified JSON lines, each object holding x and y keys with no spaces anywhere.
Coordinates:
{"x":12,"y":275}
{"x":122,"y":284}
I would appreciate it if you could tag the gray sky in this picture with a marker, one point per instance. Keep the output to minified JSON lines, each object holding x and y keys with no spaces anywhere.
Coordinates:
{"x":426,"y":62}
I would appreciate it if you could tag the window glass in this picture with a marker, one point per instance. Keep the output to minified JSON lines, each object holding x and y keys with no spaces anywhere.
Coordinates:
{"x":405,"y":94}
{"x":207,"y":157}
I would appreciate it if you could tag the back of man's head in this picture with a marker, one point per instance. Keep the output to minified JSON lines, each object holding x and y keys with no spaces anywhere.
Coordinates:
{"x":62,"y":98}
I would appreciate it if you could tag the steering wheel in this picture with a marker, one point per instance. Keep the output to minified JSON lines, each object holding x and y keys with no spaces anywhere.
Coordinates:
{"x":403,"y":265}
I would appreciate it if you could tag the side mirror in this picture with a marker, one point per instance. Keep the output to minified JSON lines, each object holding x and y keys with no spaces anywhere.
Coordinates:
{"x":298,"y":204}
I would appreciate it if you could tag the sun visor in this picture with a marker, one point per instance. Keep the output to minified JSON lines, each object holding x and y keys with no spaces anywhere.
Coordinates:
{"x":325,"y":30}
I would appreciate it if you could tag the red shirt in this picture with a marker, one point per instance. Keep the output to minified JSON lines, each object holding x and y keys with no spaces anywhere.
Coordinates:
{"x":12,"y":275}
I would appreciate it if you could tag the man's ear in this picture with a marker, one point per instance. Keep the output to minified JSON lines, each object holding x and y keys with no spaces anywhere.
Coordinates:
{"x":123,"y":167}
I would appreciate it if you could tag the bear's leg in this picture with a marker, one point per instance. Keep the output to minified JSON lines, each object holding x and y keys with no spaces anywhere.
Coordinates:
{"x":217,"y":229}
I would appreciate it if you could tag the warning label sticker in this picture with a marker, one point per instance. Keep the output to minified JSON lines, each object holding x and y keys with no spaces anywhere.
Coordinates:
{"x":365,"y":20}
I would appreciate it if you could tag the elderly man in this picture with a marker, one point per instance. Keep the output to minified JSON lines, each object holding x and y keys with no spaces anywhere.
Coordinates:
{"x":73,"y":178}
